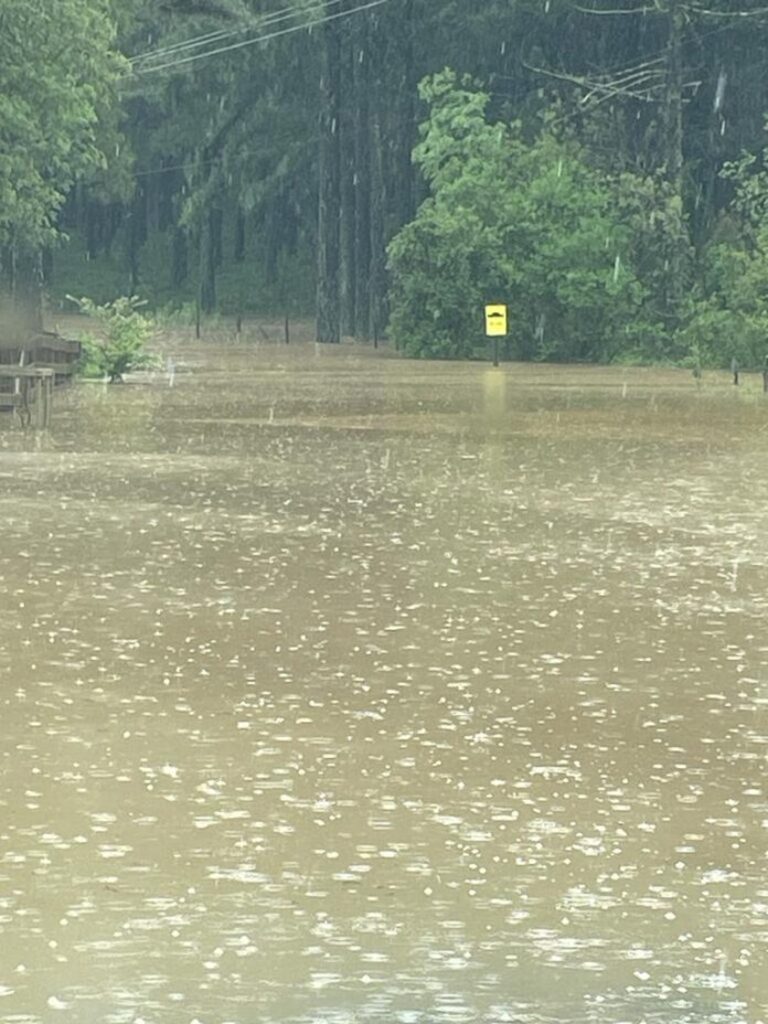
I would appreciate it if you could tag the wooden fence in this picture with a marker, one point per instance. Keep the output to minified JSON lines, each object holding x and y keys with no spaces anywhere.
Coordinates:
{"x":32,"y":397}
{"x":29,"y":370}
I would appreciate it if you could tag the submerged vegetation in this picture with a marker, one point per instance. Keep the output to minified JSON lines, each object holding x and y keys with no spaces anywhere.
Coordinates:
{"x":531,"y":223}
{"x":579,"y":253}
{"x":598,"y":169}
{"x":121,"y":345}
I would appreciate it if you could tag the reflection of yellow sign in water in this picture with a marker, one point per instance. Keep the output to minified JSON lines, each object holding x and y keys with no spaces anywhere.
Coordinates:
{"x":496,"y":321}
{"x":494,"y":396}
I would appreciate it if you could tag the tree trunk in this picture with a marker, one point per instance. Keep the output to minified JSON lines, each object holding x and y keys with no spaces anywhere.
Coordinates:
{"x":133,"y":259}
{"x":378,"y":110}
{"x":93,"y":227}
{"x":47,"y":266}
{"x":673,"y":98}
{"x":272,"y":231}
{"x":137,"y":236}
{"x":168,"y":186}
{"x":404,"y":107}
{"x":207,"y":279}
{"x":672,"y":127}
{"x":378,"y":265}
{"x":115,"y":216}
{"x":217,"y":232}
{"x":347,"y":143}
{"x":329,"y":204}
{"x":28,"y":291}
{"x":153,"y":189}
{"x":239,"y":248}
{"x":362,"y":179}
{"x":7,"y":274}
{"x":179,"y":258}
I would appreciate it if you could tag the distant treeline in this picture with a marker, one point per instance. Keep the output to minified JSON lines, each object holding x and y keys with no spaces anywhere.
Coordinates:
{"x":597,"y":166}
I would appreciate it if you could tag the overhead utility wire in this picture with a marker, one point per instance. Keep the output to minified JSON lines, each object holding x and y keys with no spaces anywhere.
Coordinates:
{"x":262,"y":38}
{"x":619,"y":10}
{"x":264,"y":21}
{"x":185,"y":44}
{"x":727,"y":14}
{"x":213,"y":37}
{"x":268,"y":36}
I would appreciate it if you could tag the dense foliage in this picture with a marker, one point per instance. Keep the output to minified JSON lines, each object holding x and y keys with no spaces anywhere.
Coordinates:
{"x":56,"y":73}
{"x":57,"y":76}
{"x":600,"y":170}
{"x":530,"y":224}
{"x":120,"y":346}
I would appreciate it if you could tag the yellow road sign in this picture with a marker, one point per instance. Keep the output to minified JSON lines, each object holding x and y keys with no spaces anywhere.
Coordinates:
{"x":496,"y":321}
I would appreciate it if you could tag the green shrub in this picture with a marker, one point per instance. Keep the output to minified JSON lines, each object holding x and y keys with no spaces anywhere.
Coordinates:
{"x":715,"y":336}
{"x":125,"y":334}
{"x":528,"y":224}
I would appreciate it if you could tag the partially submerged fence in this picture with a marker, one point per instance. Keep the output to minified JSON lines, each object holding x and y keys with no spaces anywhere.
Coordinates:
{"x":28,"y":372}
{"x":31,"y":399}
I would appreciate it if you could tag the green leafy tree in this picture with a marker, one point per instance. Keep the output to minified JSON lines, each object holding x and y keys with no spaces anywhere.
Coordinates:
{"x":57,"y":78}
{"x":125,"y":332}
{"x":531,"y":225}
{"x":234,"y":142}
{"x":729,"y":314}
{"x":224,"y":146}
{"x":58,"y":73}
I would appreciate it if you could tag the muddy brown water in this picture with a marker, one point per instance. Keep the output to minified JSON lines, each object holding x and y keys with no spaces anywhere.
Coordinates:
{"x":345,"y":689}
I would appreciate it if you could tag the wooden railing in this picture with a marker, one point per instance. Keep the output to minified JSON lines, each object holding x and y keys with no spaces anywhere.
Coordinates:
{"x":31,"y":397}
{"x":44,"y":349}
{"x":29,"y":369}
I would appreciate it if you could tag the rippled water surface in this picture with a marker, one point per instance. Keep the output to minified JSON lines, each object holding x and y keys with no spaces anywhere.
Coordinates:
{"x":342,"y":689}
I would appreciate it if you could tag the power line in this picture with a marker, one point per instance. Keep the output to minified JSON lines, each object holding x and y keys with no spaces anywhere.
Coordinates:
{"x":629,"y":10}
{"x":727,"y":14}
{"x":268,"y":36}
{"x":262,"y":38}
{"x":186,"y":44}
{"x":271,"y":18}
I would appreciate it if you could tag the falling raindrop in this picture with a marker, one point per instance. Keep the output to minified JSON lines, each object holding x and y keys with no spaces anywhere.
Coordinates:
{"x":722,"y":81}
{"x":540,"y":323}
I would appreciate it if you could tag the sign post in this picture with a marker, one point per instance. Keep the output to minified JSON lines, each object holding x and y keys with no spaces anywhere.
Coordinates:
{"x":496,"y":327}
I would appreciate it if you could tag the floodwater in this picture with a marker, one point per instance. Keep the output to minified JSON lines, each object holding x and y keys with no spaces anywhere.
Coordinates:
{"x":336,"y":688}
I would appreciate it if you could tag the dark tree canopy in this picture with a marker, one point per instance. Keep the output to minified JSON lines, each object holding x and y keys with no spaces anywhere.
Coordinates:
{"x":266,"y":158}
